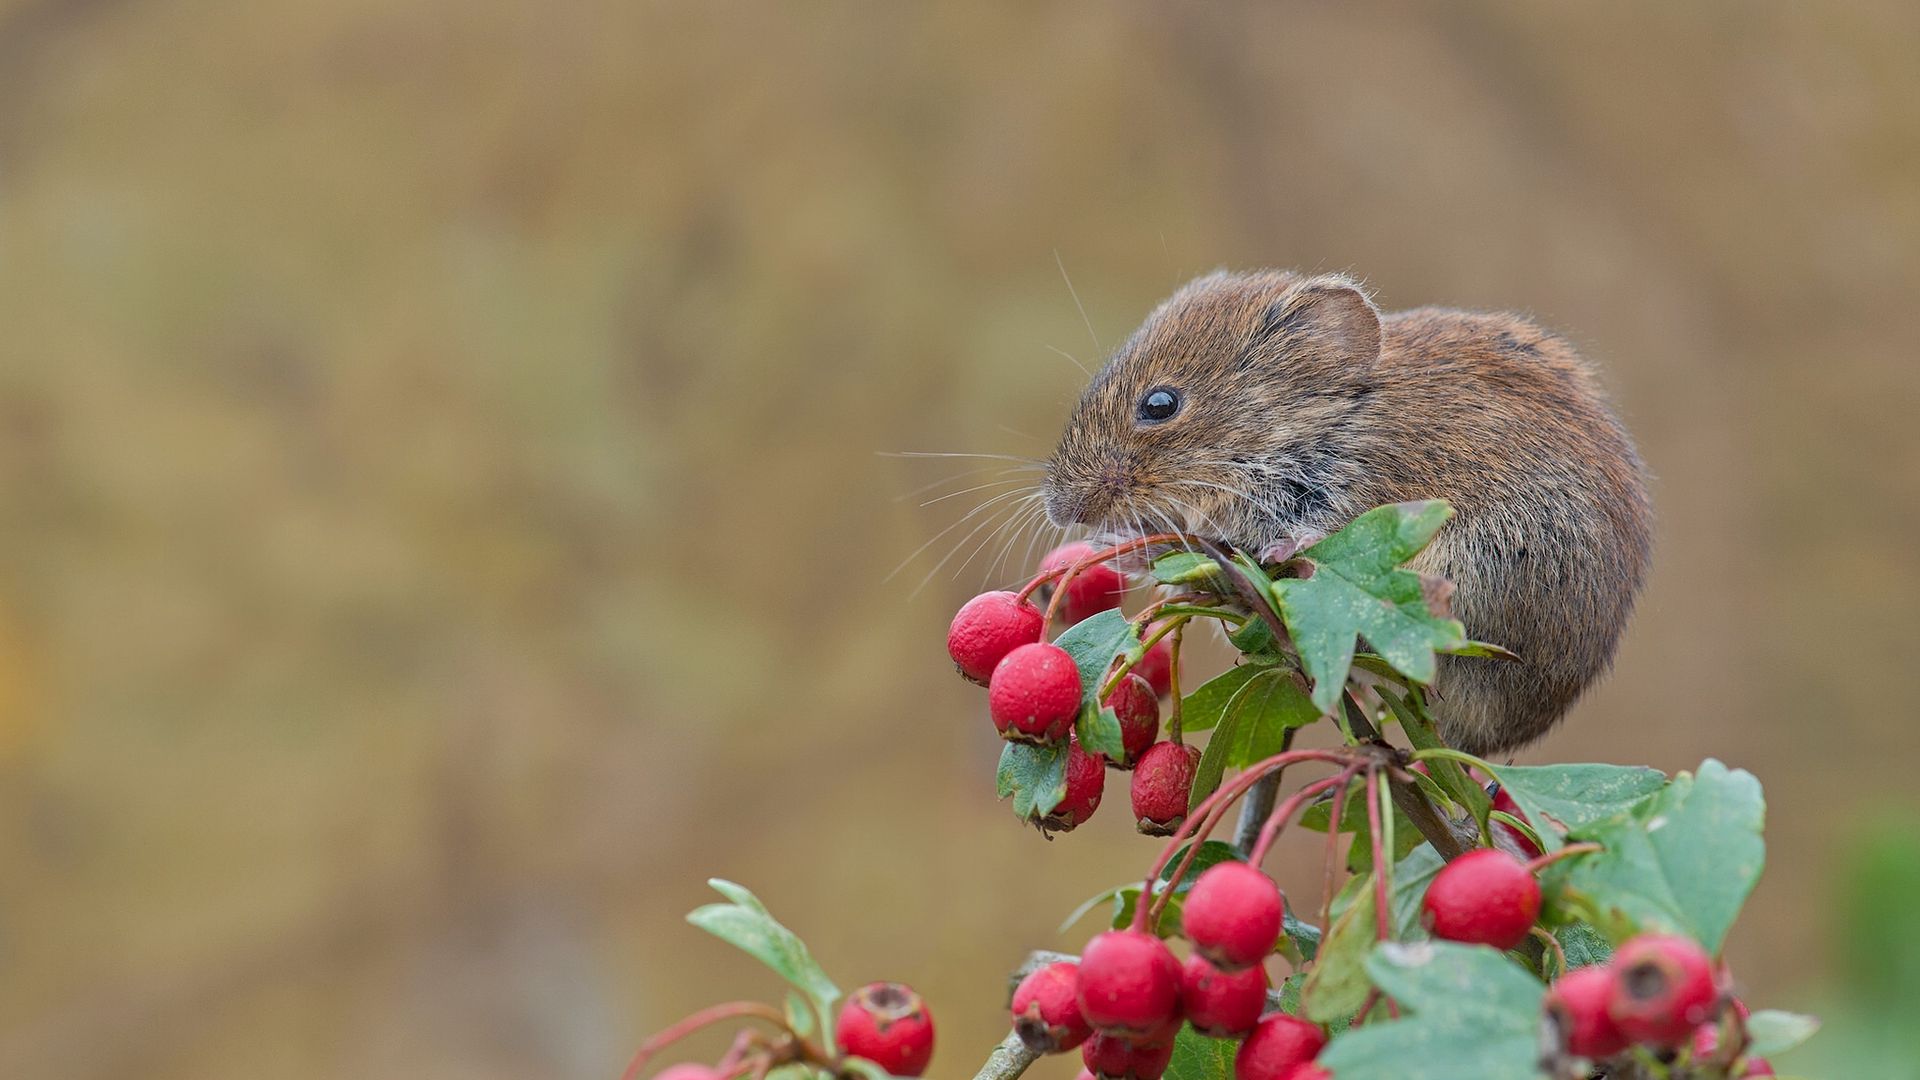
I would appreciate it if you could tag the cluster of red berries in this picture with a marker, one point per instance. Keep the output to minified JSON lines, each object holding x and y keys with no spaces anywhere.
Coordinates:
{"x":1659,"y":991}
{"x":1126,"y":998}
{"x":884,"y":1022}
{"x":1034,"y":691}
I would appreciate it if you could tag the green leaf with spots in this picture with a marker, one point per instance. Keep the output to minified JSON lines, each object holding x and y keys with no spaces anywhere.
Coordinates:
{"x":1584,"y":945}
{"x":1094,"y":642}
{"x":1682,"y":861}
{"x":746,"y":925}
{"x":1559,"y":799}
{"x":1472,"y":1014}
{"x":1035,"y":777}
{"x":1196,"y":1057}
{"x":1355,"y":588}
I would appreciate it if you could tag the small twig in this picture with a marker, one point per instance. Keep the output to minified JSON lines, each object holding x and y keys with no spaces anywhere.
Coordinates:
{"x":1008,"y":1060}
{"x":1259,"y":803}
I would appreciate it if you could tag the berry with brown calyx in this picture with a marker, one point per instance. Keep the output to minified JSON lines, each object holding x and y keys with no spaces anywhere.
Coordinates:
{"x":1109,"y":1057}
{"x":1129,"y":984}
{"x":1222,"y":1004}
{"x":1046,"y":1009}
{"x":1233,"y":915}
{"x":1034,"y":694}
{"x":1663,"y":989}
{"x":1092,"y":591}
{"x":1484,"y":897}
{"x":1279,"y":1044}
{"x":1577,"y":1004}
{"x":987,"y":628}
{"x":887,"y":1024}
{"x":1086,"y":782}
{"x":1133,"y":701}
{"x":1162,"y":784}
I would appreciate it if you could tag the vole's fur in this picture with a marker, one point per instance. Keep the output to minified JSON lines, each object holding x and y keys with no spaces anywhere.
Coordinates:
{"x":1301,"y":406}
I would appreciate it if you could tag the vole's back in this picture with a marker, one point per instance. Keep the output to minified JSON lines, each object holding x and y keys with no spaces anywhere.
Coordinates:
{"x":1553,"y":529}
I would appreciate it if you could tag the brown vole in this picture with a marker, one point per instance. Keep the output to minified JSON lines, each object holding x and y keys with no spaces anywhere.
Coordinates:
{"x":1269,"y":407}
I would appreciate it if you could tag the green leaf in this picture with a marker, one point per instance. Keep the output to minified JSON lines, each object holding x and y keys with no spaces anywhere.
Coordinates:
{"x":1196,"y":1057}
{"x":1483,"y":648}
{"x":1255,"y":639}
{"x":1034,"y":776}
{"x":1186,"y":568}
{"x":1099,"y":732}
{"x":1356,"y":589}
{"x":1094,"y":642}
{"x":1337,"y":986}
{"x":1584,"y":945}
{"x":1771,"y":1031}
{"x":1683,"y":861}
{"x":1252,"y":727}
{"x":1201,"y":709}
{"x":1304,"y":935}
{"x":799,"y":1014}
{"x":1559,"y":799}
{"x":746,"y":925}
{"x":1475,"y":1015}
{"x":862,"y":1067}
{"x":1449,"y":774}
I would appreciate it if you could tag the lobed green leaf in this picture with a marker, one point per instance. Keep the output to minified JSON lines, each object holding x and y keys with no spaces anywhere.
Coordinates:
{"x":1474,"y":1016}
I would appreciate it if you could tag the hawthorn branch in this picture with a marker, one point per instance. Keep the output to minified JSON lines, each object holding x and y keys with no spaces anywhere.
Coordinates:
{"x":1007,"y":1061}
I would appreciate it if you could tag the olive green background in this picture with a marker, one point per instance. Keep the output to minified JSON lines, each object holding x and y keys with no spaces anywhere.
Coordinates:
{"x":445,"y":518}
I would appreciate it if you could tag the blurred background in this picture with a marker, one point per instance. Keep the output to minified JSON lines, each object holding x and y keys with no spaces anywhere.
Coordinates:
{"x":445,"y":516}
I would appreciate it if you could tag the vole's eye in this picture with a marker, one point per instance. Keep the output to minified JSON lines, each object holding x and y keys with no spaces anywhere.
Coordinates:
{"x":1159,"y":404}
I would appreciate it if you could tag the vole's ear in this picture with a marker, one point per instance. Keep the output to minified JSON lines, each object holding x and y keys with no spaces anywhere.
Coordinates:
{"x":1327,"y":314}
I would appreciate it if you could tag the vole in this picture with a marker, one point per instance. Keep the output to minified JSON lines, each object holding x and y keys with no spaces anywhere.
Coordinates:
{"x":1269,"y":408}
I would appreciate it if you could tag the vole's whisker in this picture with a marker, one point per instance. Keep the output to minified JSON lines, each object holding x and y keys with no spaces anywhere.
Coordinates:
{"x":955,"y":478}
{"x":1003,"y":508}
{"x":1074,"y":360}
{"x":1019,"y":509}
{"x":1036,"y":463}
{"x":935,"y":538}
{"x":977,"y":487}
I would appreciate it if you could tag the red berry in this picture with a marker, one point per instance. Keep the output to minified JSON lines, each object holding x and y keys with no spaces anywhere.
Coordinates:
{"x":887,"y":1024}
{"x":1139,"y":712}
{"x":1279,"y":1044}
{"x":1111,"y":1058}
{"x":1157,"y":667}
{"x":987,"y":628}
{"x":1755,"y":1067}
{"x":1233,"y":915}
{"x":1129,"y":984}
{"x":1046,"y":1011}
{"x":1484,"y":897}
{"x":1663,"y":989}
{"x":1578,"y":1005}
{"x":1706,"y":1037}
{"x":1222,"y":1004}
{"x":1162,"y":783}
{"x":1504,"y":803}
{"x":687,"y":1071}
{"x":1092,"y":590}
{"x":1086,"y":782}
{"x":1309,"y":1071}
{"x":1034,"y":694}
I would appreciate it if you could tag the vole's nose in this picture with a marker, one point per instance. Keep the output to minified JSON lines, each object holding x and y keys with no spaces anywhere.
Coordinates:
{"x":1082,"y":500}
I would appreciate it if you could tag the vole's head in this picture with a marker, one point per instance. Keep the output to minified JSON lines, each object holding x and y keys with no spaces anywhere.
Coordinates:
{"x":1229,"y":413}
